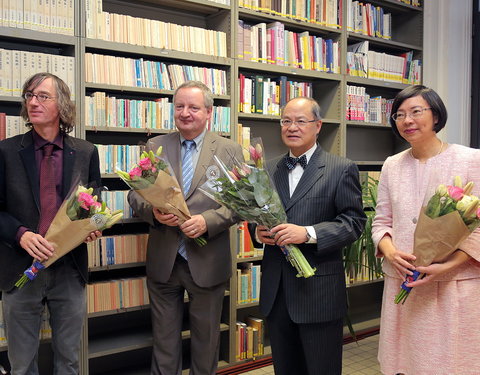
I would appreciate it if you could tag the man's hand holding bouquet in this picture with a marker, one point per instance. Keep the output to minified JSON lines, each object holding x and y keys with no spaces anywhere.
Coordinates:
{"x":448,"y":218}
{"x":248,"y":192}
{"x":78,"y":216}
{"x":154,"y":180}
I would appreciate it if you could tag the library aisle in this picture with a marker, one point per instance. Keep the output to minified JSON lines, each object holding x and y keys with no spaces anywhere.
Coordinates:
{"x":358,"y":359}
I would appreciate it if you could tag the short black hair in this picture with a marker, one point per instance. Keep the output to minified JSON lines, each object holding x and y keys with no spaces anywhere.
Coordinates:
{"x":431,"y":97}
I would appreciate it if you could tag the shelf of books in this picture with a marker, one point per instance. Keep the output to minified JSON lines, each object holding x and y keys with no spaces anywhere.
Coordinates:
{"x":383,"y":56}
{"x":3,"y":335}
{"x":283,"y":51}
{"x":247,"y":341}
{"x":123,"y":61}
{"x":123,"y":105}
{"x":126,"y":340}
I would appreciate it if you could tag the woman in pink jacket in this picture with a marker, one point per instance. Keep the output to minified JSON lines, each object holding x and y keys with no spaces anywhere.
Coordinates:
{"x":437,"y":330}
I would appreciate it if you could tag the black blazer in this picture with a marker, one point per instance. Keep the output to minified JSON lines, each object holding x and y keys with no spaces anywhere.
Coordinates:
{"x":20,"y":197}
{"x":328,"y":197}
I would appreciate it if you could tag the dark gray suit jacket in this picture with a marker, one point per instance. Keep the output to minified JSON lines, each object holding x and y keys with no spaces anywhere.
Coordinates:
{"x":328,"y":197}
{"x":211,"y":264}
{"x":20,"y":197}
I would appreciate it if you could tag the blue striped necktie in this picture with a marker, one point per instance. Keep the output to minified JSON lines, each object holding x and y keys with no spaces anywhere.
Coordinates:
{"x":187,"y":165}
{"x":187,"y":176}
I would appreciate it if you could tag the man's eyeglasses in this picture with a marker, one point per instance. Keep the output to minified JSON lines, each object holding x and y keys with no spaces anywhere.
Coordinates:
{"x":402,"y":116}
{"x":300,"y":123}
{"x":40,"y":97}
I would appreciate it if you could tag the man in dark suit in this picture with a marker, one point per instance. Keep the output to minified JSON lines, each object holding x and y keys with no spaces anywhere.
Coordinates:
{"x":323,"y":201}
{"x":25,"y":214}
{"x":175,"y":263}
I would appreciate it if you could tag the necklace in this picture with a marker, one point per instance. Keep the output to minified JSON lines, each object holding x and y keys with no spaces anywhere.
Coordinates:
{"x":438,"y":153}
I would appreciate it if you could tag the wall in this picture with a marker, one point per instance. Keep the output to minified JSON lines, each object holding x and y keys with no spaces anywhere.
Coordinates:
{"x":447,"y":48}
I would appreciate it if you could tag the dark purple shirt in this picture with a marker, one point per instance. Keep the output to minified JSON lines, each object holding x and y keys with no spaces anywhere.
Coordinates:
{"x":57,"y":155}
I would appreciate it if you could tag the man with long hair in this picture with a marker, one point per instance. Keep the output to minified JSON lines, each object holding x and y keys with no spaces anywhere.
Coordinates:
{"x":37,"y":170}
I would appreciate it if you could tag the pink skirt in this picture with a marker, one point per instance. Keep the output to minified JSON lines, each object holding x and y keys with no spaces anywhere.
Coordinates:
{"x":436,"y":331}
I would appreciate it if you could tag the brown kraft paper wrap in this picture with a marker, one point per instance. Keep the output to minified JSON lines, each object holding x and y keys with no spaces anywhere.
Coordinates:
{"x":165,"y":195}
{"x":65,"y":234}
{"x":431,"y":243}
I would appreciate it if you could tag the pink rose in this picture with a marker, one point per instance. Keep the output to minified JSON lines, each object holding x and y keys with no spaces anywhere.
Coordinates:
{"x":135,"y":172}
{"x":478,"y":212}
{"x":455,"y":192}
{"x":86,"y":200}
{"x":145,"y":164}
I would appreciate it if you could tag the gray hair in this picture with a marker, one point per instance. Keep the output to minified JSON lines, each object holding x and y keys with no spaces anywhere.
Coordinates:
{"x":207,"y":93}
{"x":316,"y":110}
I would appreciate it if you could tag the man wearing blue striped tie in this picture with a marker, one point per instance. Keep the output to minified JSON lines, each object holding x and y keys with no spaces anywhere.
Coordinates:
{"x":175,"y":263}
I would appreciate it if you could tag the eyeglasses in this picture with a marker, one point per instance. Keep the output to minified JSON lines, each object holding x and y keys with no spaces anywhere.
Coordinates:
{"x":299,"y":123}
{"x":416,"y":113}
{"x":40,"y":97}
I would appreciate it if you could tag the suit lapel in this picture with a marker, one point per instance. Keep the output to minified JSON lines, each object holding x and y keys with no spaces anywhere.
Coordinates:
{"x":280,"y":179}
{"x":173,"y":155}
{"x":206,"y":154}
{"x":313,"y":172}
{"x":69,"y":152}
{"x":27,"y":154}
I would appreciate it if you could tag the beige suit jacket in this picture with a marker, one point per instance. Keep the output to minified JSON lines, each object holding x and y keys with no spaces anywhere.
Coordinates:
{"x":211,"y":264}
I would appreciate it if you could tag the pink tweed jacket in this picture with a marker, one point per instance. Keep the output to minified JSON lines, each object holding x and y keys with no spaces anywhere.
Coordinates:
{"x":404,"y":184}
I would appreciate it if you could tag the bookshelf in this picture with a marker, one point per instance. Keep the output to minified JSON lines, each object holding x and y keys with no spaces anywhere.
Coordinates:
{"x":367,"y":143}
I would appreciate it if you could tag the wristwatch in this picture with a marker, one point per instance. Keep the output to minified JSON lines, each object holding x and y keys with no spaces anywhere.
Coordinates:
{"x":308,"y":235}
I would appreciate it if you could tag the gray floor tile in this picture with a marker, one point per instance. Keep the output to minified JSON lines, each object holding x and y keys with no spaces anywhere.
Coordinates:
{"x":358,"y":359}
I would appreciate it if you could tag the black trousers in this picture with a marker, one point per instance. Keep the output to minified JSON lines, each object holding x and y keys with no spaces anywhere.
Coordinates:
{"x":304,"y":349}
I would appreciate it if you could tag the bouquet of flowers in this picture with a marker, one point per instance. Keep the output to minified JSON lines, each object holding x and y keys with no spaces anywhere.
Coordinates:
{"x":449,"y":217}
{"x":247,"y":191}
{"x":78,"y":216}
{"x":155,"y":181}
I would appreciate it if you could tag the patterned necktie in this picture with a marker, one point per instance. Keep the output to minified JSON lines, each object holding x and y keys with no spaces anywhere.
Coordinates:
{"x":187,"y":176}
{"x":292,"y":162}
{"x":48,"y":194}
{"x":187,"y":165}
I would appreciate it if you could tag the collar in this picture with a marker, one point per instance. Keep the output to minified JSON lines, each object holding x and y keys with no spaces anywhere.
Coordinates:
{"x":198,"y":140}
{"x":39,"y":142}
{"x":307,"y":154}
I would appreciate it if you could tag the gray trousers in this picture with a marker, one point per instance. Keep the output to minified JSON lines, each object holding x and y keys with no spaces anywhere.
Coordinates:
{"x":60,"y":286}
{"x":205,"y":308}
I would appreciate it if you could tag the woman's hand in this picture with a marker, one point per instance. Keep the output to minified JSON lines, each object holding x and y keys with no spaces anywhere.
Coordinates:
{"x":436,"y":269}
{"x":401,"y":261}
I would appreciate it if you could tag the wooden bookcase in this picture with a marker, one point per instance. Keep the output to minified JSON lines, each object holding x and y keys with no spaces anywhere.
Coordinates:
{"x":114,"y":339}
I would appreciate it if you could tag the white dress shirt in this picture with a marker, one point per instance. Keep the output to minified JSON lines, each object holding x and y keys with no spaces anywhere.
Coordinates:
{"x":294,"y":177}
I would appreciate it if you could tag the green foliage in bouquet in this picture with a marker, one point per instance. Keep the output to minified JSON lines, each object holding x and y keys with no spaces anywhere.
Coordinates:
{"x":248,"y":191}
{"x":146,"y":172}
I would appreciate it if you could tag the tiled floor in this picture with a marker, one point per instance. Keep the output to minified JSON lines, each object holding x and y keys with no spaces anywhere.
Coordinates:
{"x":358,"y":359}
